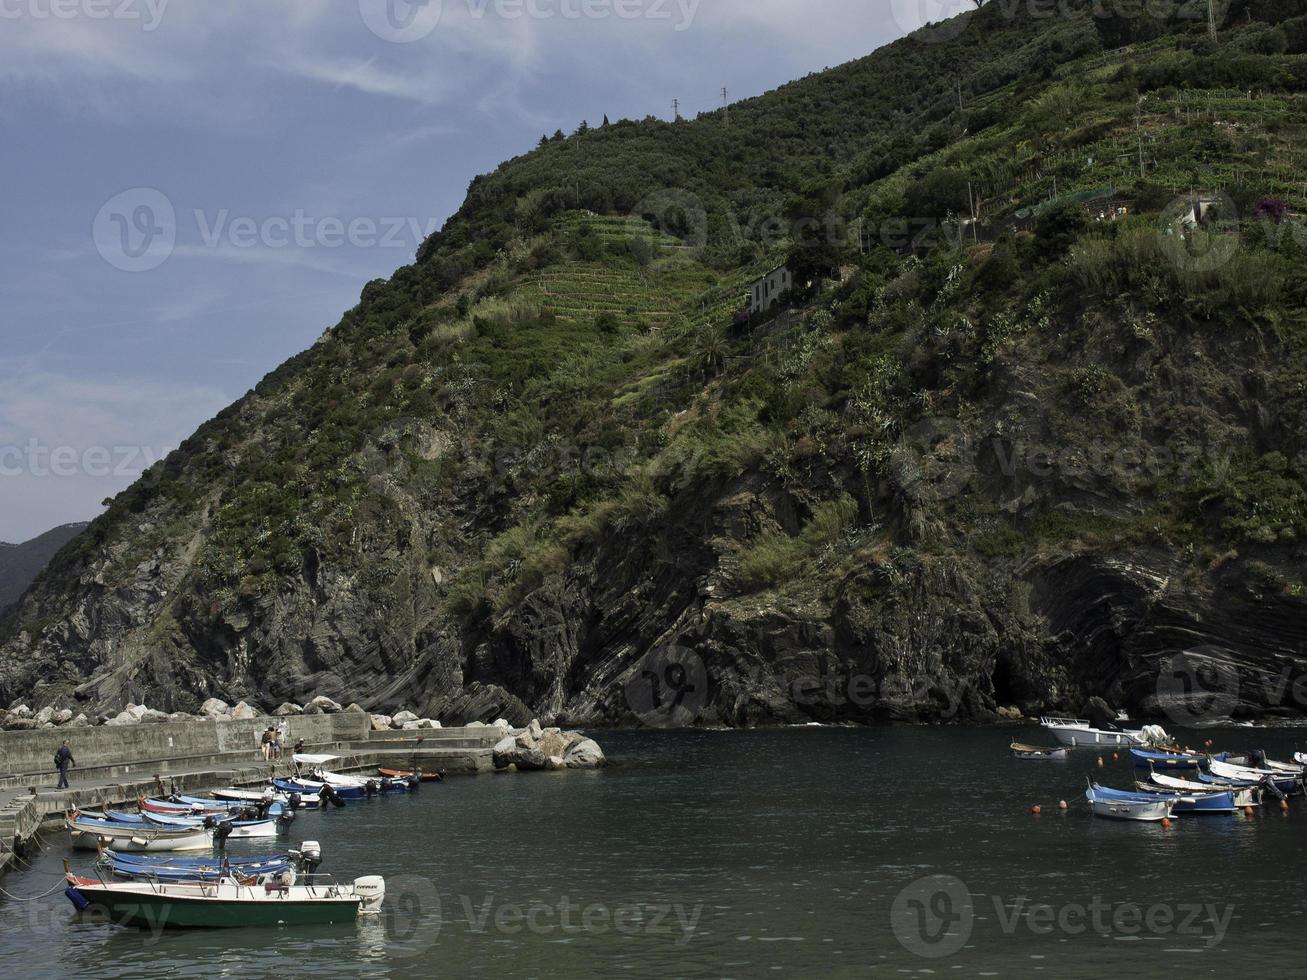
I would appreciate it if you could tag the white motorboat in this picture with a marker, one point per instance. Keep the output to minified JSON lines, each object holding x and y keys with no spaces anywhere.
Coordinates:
{"x":1077,"y":732}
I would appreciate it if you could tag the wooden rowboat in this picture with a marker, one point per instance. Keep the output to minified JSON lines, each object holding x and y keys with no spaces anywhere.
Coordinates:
{"x":1020,"y":750}
{"x":1148,"y":811}
{"x":426,"y":777}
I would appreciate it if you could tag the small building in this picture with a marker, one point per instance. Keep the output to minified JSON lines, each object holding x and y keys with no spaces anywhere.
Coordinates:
{"x":765,"y":293}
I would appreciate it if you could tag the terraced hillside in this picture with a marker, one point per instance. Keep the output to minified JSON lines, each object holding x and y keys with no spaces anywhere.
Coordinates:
{"x":1052,"y":452}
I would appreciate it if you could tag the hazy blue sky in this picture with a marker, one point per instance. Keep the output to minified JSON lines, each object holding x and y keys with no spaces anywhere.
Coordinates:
{"x":242,"y":140}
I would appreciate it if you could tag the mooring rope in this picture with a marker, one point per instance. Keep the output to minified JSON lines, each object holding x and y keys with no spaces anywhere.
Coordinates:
{"x":35,"y":898}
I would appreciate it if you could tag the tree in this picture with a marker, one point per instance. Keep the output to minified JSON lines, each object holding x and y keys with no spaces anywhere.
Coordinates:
{"x":605,"y":126}
{"x":544,"y":140}
{"x":582,"y":129}
{"x":559,"y":136}
{"x":815,"y":228}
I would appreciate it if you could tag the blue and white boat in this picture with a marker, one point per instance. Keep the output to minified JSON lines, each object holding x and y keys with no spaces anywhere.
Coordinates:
{"x":1107,"y":803}
{"x":1150,"y":759}
{"x":1244,"y":796}
{"x":1192,"y":804}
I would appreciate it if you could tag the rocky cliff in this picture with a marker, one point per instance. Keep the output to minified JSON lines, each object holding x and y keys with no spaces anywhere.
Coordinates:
{"x":548,"y":471}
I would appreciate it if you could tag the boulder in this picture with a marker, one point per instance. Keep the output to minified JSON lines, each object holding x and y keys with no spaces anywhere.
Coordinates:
{"x":178,"y":716}
{"x":288,"y":709}
{"x":504,"y":751}
{"x":123,"y":718}
{"x":381,"y":723}
{"x":431,"y":723}
{"x":530,"y":759}
{"x":572,"y":738}
{"x":535,"y":730}
{"x":215,"y":708}
{"x":243,"y":712}
{"x":554,"y":763}
{"x":552,"y":744}
{"x":585,"y":754}
{"x":502,"y":724}
{"x":150,"y":716}
{"x":137,"y":711}
{"x":476,"y":724}
{"x":45,"y":715}
{"x":62,"y":717}
{"x":14,"y":723}
{"x":22,"y":711}
{"x":81,"y":721}
{"x":327,"y":705}
{"x":404,"y":716}
{"x":355,"y":708}
{"x":1011,"y":714}
{"x":411,"y":726}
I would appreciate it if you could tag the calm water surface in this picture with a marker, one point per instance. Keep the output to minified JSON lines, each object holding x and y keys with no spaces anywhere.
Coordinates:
{"x":752,"y":854}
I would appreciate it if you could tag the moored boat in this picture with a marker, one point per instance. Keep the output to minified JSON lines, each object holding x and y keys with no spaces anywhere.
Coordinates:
{"x":1106,"y":804}
{"x":1150,"y":759}
{"x":91,"y":835}
{"x":227,"y":902}
{"x":1020,"y":750}
{"x":426,"y":777}
{"x":1244,"y":796}
{"x":1077,"y":732}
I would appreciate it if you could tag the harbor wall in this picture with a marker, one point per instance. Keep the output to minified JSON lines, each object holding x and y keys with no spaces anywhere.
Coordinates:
{"x":27,"y":752}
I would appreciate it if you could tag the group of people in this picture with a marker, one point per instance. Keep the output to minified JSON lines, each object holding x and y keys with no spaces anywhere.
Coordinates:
{"x":274,"y":737}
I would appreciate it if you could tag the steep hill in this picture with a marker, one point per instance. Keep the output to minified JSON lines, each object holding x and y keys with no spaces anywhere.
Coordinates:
{"x":1023,"y":460}
{"x":21,"y":563}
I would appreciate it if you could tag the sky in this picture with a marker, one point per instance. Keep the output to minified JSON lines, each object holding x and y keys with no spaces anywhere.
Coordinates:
{"x":194,"y":190}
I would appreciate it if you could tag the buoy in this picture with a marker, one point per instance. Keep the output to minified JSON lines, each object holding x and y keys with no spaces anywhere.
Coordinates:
{"x":1116,"y":756}
{"x":1036,"y":809}
{"x":1062,"y":805}
{"x":1248,"y":812}
{"x":1207,"y":744}
{"x":1284,"y":806}
{"x":1100,"y":762}
{"x":1166,"y":822}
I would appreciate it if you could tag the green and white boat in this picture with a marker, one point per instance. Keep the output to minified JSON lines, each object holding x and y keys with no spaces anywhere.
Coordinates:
{"x":228,"y":903}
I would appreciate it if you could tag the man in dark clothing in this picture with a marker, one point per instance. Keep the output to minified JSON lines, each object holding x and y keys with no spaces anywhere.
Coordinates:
{"x":62,"y":760}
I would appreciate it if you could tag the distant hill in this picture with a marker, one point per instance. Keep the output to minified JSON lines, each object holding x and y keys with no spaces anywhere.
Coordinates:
{"x":21,"y":563}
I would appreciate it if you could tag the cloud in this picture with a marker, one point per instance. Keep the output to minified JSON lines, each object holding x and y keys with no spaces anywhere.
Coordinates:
{"x":66,"y":443}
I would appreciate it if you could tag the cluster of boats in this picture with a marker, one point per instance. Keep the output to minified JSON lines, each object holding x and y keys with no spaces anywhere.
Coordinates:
{"x":1170,"y":782}
{"x":133,"y":886}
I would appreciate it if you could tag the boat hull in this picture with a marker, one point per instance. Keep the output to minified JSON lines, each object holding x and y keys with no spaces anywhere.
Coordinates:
{"x":163,"y":911}
{"x":1075,"y":734}
{"x":1113,"y":807}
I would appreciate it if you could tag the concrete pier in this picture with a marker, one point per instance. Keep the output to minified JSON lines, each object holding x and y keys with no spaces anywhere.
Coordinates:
{"x":117,"y":765}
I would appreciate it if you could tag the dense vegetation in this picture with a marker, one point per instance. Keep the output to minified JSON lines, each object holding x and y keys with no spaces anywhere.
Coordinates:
{"x":562,"y":367}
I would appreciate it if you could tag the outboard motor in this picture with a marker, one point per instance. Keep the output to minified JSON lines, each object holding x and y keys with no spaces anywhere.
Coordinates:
{"x":1269,"y":785}
{"x":222,"y":833}
{"x":296,"y":801}
{"x":1257,"y":759}
{"x":371,"y":788}
{"x":328,"y":793}
{"x":372,"y":891}
{"x":308,"y":857}
{"x":284,"y":820}
{"x":414,"y":781}
{"x":210,"y":822}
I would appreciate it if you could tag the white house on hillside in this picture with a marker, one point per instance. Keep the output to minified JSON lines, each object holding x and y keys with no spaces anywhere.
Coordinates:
{"x":764,"y":293}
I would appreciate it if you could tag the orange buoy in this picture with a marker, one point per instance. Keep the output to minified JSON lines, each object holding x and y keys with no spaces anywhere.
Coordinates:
{"x":1248,"y":812}
{"x":1166,"y":822}
{"x":1116,"y":756}
{"x":1207,"y":744}
{"x":1036,"y":809}
{"x":1284,"y":806}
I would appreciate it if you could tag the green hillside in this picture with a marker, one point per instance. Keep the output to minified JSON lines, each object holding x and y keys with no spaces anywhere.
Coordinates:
{"x":1023,"y":460}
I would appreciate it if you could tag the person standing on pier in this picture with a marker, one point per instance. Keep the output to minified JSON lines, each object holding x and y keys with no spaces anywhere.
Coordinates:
{"x":63,"y":758}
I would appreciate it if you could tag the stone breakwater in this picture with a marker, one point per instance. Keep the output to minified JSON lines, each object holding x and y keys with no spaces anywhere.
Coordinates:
{"x":537,"y":748}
